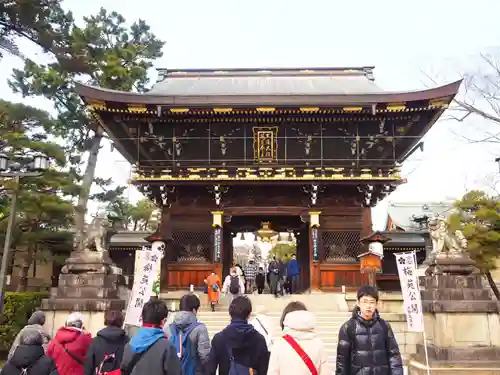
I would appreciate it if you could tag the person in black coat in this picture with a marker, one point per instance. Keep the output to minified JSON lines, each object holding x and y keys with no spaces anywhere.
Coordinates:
{"x":107,"y":347}
{"x":366,"y":344}
{"x":248,"y":347}
{"x":29,"y":356}
{"x":260,"y":280}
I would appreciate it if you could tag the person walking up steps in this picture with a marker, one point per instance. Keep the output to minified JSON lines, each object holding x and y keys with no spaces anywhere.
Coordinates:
{"x":250,"y":273}
{"x":274,"y":276}
{"x":293,"y":274}
{"x":70,"y":345}
{"x":299,"y":351}
{"x":260,"y":280}
{"x":264,"y":325}
{"x":35,"y":322}
{"x":29,"y":357}
{"x":189,"y":336}
{"x":238,"y":349}
{"x":106,"y":350}
{"x":149,"y":351}
{"x":366,"y":343}
{"x":233,"y":285}
{"x":212,"y":283}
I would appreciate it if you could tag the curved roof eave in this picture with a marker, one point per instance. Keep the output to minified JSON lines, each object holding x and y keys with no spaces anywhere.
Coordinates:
{"x":101,"y":94}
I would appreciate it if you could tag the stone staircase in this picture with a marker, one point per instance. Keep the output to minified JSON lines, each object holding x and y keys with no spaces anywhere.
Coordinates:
{"x":330,"y":310}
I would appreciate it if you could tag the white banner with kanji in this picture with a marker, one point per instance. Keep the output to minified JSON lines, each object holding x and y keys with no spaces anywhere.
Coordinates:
{"x":147,"y":265}
{"x":407,"y":270}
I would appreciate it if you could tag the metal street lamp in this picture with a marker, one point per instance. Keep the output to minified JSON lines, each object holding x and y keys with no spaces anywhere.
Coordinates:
{"x":16,"y":168}
{"x":4,"y":162}
{"x":498,"y":162}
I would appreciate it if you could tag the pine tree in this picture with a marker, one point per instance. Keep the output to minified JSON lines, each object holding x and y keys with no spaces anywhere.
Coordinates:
{"x":478,"y":216}
{"x":42,"y":22}
{"x":44,"y":203}
{"x":106,"y":53}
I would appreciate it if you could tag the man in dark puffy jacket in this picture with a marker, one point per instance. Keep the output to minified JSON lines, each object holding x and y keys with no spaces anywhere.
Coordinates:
{"x":366,"y":344}
{"x":106,"y":351}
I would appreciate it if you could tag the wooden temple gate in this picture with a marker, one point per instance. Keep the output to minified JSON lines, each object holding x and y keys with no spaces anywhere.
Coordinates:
{"x":309,"y":150}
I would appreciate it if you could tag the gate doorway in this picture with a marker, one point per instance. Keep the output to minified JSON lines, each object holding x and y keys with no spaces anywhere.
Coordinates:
{"x":244,"y":232}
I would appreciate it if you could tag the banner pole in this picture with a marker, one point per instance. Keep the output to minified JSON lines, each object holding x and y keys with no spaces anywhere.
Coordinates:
{"x":426,"y":352}
{"x":424,"y":335}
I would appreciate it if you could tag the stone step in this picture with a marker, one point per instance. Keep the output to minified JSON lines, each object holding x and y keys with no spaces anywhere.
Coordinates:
{"x":332,"y":302}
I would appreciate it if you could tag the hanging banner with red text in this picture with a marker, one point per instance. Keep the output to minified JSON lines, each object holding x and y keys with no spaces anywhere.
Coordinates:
{"x":407,"y":270}
{"x":144,"y":278}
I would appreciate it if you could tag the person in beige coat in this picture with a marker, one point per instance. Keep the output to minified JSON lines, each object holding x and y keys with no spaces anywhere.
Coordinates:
{"x":299,"y":330}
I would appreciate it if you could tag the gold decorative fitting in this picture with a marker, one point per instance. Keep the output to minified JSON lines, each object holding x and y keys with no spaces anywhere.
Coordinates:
{"x":217,"y":219}
{"x":97,"y":105}
{"x":222,"y":110}
{"x":353,"y":109}
{"x":309,"y":109}
{"x":265,"y":109}
{"x":314,"y":219}
{"x":439,"y":103}
{"x":179,"y":110}
{"x":395,"y":107}
{"x":137,"y":108}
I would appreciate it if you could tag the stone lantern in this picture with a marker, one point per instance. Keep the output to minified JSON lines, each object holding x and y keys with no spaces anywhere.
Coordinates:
{"x":371,"y":260}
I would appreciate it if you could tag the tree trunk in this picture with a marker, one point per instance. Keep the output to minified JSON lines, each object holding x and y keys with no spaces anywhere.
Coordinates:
{"x":135,"y":224}
{"x":88,"y":179}
{"x":27,"y":262}
{"x":493,"y":286}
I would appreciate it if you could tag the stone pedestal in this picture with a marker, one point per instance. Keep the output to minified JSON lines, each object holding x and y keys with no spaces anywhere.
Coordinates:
{"x":88,"y":284}
{"x":461,"y":320}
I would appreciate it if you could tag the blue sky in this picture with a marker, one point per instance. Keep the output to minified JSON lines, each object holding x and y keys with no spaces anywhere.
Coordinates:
{"x":402,"y":39}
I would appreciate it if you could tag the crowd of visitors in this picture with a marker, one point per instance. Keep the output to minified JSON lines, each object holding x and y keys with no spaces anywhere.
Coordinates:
{"x":247,"y":346}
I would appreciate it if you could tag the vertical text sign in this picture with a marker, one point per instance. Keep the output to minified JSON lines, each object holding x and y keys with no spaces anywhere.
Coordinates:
{"x":265,"y":144}
{"x":217,"y":244}
{"x":407,"y":270}
{"x":144,"y":278}
{"x":315,"y":244}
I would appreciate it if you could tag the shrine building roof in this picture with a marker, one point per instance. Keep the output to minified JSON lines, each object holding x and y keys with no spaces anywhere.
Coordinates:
{"x":280,"y":87}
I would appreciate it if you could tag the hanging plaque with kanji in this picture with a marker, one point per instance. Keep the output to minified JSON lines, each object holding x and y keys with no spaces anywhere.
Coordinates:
{"x":265,"y":144}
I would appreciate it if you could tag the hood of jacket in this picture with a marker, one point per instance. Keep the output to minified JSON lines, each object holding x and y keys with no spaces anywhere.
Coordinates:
{"x":239,"y":334}
{"x":183,"y":319}
{"x":67,"y":334}
{"x":26,"y":355}
{"x":113,"y":334}
{"x":356,"y":314}
{"x":146,"y":337}
{"x":300,"y":325}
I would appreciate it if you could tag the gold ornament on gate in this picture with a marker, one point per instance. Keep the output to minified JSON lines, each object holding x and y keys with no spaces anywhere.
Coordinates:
{"x":265,"y":233}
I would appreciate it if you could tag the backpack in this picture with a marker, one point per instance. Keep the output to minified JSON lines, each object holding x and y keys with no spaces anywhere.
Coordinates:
{"x":185,"y":351}
{"x":24,"y":370}
{"x":237,"y":368}
{"x":234,"y":285}
{"x":111,"y":359}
